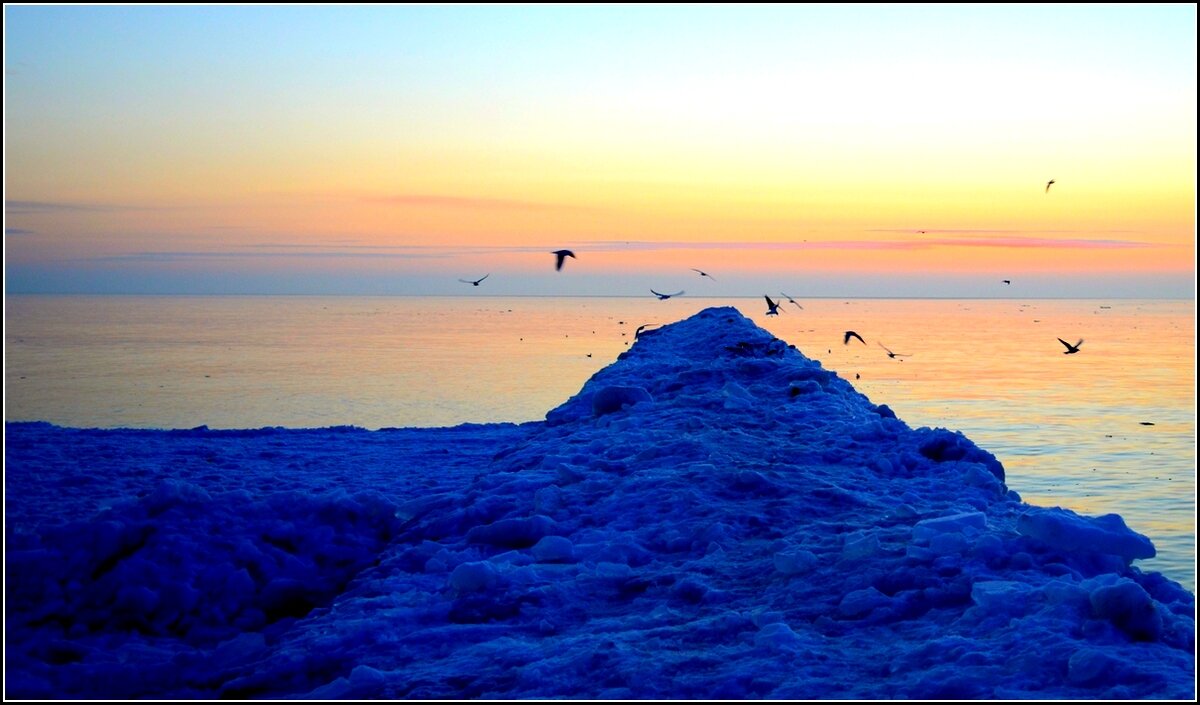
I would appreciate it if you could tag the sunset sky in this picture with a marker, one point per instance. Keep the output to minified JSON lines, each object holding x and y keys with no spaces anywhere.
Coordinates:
{"x":824,"y":151}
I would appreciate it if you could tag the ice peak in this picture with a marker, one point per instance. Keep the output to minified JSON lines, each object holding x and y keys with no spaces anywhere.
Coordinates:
{"x":717,"y":360}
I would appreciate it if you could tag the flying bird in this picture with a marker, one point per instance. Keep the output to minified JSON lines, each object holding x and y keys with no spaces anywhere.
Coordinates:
{"x":664,"y":297}
{"x":1048,"y":185}
{"x":638,"y":333}
{"x":889,"y":352}
{"x":773,"y":308}
{"x":851,"y":334}
{"x":1006,"y":281}
{"x":791,"y":300}
{"x":560,"y":256}
{"x":476,"y":282}
{"x":1071,"y":348}
{"x":703,"y":274}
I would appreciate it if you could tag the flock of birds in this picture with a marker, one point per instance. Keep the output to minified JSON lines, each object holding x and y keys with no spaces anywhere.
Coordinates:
{"x":773,"y":307}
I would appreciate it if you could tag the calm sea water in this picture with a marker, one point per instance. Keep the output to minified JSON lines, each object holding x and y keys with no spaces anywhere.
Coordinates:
{"x":1068,"y":428}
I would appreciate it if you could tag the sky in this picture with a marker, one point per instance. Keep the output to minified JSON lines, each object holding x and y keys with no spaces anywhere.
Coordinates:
{"x":822,"y":150}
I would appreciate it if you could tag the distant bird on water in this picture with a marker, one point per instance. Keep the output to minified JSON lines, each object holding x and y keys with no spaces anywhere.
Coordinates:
{"x":1048,"y":185}
{"x":561,"y":255}
{"x":476,"y":282}
{"x":703,"y":274}
{"x":889,"y":352}
{"x":791,"y":300}
{"x":851,"y":334}
{"x":1071,"y":348}
{"x":664,"y":297}
{"x":773,"y":308}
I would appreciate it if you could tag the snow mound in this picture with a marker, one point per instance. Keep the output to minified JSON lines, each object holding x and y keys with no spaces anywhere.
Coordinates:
{"x":759,"y":529}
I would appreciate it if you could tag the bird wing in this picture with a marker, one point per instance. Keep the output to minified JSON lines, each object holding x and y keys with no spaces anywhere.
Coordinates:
{"x":851,"y":334}
{"x":1079,"y":343}
{"x":652,"y":291}
{"x":466,"y":281}
{"x":770,"y":303}
{"x":883,"y":346}
{"x":678,"y":293}
{"x":485,"y":276}
{"x":1066,"y":343}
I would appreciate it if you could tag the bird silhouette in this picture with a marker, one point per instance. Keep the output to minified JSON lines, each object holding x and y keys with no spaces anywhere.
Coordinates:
{"x":889,"y":352}
{"x":638,"y":333}
{"x":1071,"y":348}
{"x":664,"y":297}
{"x":1006,"y":281}
{"x":476,"y":282}
{"x":791,"y":300}
{"x":703,"y":274}
{"x":851,"y":334}
{"x":1048,"y":185}
{"x":560,"y":256}
{"x":773,"y":308}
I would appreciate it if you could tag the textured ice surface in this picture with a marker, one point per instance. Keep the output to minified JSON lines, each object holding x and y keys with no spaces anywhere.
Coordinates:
{"x":712,"y":516}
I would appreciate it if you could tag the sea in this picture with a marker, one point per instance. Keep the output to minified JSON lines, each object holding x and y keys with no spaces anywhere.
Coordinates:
{"x":1110,"y":429}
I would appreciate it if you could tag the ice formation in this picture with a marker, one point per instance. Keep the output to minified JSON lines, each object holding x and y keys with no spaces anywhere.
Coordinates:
{"x":713,"y":516}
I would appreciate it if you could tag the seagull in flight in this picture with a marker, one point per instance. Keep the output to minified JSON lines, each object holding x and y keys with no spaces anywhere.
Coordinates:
{"x":703,"y":274}
{"x":791,"y":300}
{"x":664,"y":297}
{"x":476,"y":282}
{"x":1048,"y":185}
{"x":851,"y":334}
{"x":1006,"y":281}
{"x":560,"y":256}
{"x":889,"y":352}
{"x":773,"y":307}
{"x":638,"y":333}
{"x":1071,"y":348}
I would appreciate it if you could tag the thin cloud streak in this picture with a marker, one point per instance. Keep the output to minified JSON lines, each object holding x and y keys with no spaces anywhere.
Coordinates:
{"x":47,"y":207}
{"x":988,"y":231}
{"x":297,"y":250}
{"x":471,"y":203}
{"x":165,"y":257}
{"x":1002,"y":242}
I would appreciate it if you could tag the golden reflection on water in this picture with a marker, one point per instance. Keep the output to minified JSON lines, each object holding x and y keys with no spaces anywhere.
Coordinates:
{"x":1068,"y":428}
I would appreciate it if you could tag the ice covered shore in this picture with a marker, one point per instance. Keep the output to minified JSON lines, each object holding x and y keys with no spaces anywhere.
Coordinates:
{"x":713,"y":516}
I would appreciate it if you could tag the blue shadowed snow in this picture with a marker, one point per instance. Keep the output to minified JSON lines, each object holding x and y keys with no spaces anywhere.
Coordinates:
{"x":712,"y":516}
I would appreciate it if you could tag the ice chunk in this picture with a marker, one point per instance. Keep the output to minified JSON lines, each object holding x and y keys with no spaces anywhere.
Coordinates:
{"x":861,"y":602}
{"x":926,"y":529}
{"x":615,"y":398}
{"x":1129,"y":607}
{"x":518,"y":532}
{"x":1006,"y":596}
{"x":775,"y":635}
{"x":553,"y":549}
{"x":472,"y":577}
{"x":1065,"y":530}
{"x":1089,"y":665}
{"x":941,"y":445}
{"x":795,"y":562}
